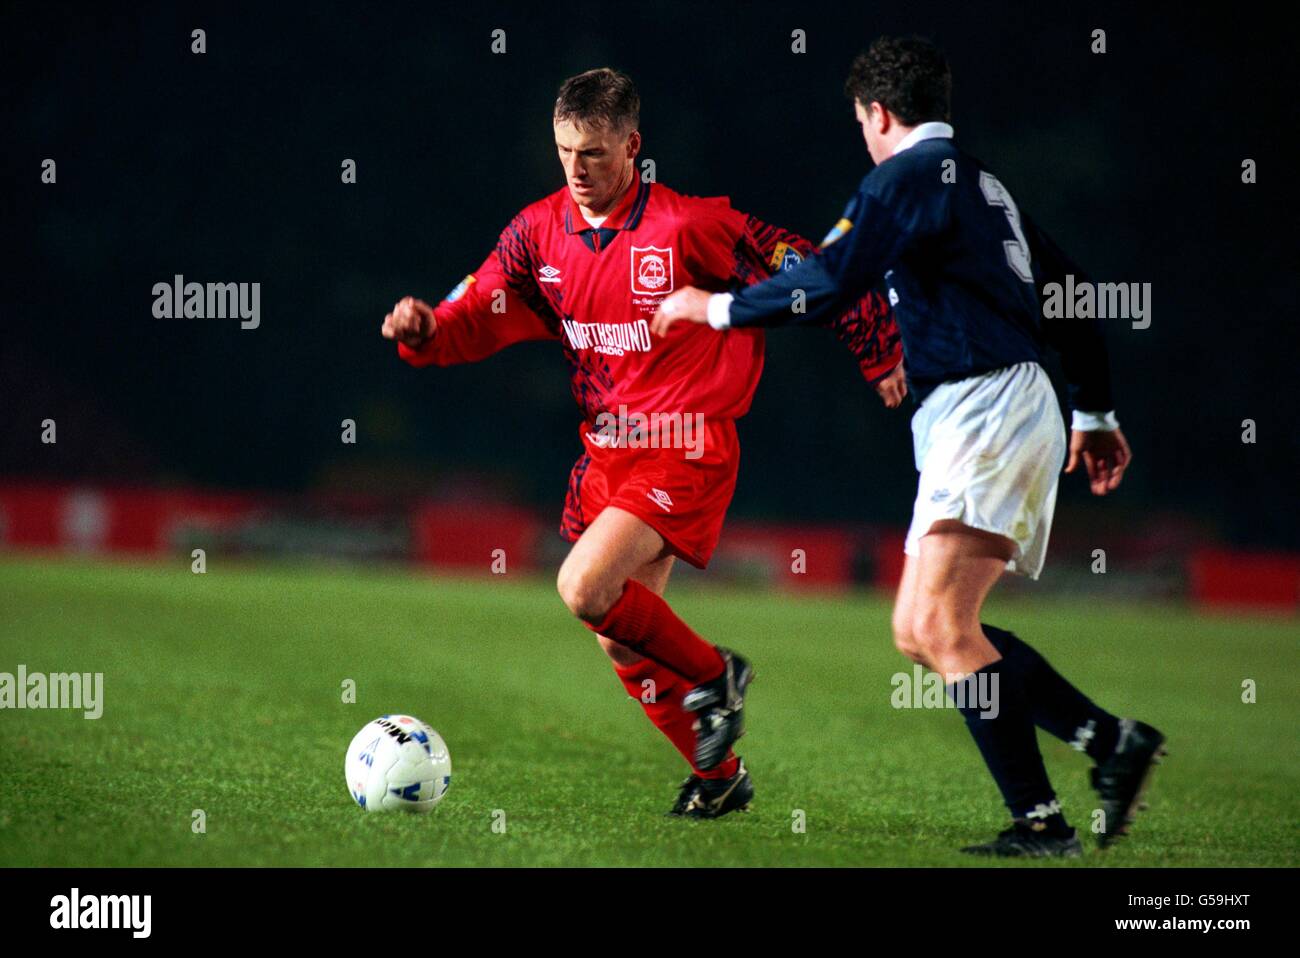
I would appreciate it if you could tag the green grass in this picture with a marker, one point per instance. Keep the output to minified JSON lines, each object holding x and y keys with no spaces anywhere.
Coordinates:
{"x":223,"y":693}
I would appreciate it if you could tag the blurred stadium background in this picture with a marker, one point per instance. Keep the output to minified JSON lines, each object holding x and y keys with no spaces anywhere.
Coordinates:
{"x":224,"y":167}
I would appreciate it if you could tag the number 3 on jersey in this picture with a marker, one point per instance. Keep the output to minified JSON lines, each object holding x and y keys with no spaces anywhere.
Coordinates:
{"x":1017,"y":249}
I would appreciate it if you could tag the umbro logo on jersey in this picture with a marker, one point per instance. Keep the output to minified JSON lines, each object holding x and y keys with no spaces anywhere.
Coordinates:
{"x":660,"y":499}
{"x":548,"y":274}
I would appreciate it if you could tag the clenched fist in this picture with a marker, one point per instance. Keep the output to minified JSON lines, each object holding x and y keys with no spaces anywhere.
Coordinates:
{"x":411,"y":323}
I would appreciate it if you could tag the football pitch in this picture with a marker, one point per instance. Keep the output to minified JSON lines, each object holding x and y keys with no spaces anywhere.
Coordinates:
{"x":223,"y":694}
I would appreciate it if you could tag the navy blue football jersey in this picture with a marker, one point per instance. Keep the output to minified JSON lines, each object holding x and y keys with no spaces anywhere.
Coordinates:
{"x":964,"y":268}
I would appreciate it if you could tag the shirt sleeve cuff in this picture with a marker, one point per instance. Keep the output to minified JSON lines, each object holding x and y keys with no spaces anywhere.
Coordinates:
{"x":1094,"y":421}
{"x":720,"y":310}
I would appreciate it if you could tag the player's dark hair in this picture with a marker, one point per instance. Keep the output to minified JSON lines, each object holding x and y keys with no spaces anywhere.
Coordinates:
{"x":601,"y":97}
{"x":906,"y":75}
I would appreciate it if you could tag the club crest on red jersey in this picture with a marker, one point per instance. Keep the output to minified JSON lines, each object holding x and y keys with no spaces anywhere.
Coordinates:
{"x":652,"y":270}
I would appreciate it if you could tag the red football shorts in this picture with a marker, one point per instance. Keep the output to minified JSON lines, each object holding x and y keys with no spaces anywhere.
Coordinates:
{"x":682,"y":499}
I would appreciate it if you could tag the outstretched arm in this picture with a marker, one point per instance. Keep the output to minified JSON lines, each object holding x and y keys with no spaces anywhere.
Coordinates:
{"x":851,"y":260}
{"x":496,"y":306}
{"x":757,"y":251}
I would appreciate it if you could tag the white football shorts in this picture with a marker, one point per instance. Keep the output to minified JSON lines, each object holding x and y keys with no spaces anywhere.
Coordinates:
{"x":990,"y":450}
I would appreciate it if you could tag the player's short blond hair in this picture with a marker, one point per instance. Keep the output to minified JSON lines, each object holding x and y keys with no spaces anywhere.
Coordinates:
{"x":599,"y":98}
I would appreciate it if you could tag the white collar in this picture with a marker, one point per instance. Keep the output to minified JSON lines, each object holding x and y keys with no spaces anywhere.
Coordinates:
{"x":925,"y":131}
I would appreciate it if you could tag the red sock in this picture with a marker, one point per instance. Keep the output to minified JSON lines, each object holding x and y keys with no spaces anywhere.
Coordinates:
{"x":645,"y":624}
{"x":666,"y":711}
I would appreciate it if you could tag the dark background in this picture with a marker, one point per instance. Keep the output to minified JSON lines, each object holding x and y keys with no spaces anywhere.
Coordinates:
{"x":225,"y":167}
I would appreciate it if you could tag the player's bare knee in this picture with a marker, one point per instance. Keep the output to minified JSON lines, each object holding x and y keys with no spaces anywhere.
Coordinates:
{"x":936,"y":634}
{"x":586,"y":596}
{"x":904,"y":638}
{"x":906,"y":643}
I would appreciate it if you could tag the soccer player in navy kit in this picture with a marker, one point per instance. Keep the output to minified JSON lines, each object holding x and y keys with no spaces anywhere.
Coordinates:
{"x":964,"y":268}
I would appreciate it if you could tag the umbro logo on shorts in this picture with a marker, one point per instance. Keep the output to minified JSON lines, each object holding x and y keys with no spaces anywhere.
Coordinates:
{"x":660,"y":499}
{"x":939,"y":495}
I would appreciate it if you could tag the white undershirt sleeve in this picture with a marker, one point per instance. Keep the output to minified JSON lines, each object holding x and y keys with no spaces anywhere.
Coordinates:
{"x":720,"y":310}
{"x":1094,"y":421}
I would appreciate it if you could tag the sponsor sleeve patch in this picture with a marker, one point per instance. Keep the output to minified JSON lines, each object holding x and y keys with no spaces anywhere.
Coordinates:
{"x":784,"y":257}
{"x":461,"y":288}
{"x":837,"y":232}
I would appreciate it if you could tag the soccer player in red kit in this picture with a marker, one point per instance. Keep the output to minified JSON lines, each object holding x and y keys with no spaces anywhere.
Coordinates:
{"x":589,"y":265}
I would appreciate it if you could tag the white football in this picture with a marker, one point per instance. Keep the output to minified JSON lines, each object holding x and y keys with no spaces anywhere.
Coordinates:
{"x":397,"y":763}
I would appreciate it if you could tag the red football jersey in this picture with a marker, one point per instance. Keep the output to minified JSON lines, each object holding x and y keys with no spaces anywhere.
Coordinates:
{"x":554,"y":276}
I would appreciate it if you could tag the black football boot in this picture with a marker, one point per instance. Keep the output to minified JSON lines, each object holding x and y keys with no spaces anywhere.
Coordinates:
{"x":720,"y":707}
{"x":715,"y":797}
{"x":1121,"y":779}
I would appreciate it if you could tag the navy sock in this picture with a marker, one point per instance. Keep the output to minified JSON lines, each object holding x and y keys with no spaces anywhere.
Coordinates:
{"x":993,"y":702}
{"x":1056,"y":705}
